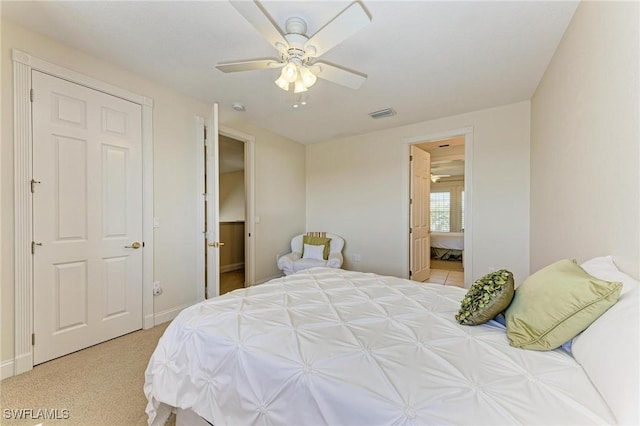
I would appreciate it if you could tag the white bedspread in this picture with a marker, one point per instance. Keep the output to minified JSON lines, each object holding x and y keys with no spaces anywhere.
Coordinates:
{"x":448,"y":240}
{"x":327,"y":346}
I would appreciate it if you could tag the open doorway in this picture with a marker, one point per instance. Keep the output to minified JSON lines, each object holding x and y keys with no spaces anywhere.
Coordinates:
{"x":229,"y":152}
{"x":449,"y":207}
{"x":232,"y":196}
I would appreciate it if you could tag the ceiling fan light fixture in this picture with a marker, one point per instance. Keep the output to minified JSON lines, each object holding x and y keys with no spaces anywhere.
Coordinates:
{"x":299,"y":86}
{"x":308,"y":77}
{"x":290,"y":72}
{"x":282,"y":83}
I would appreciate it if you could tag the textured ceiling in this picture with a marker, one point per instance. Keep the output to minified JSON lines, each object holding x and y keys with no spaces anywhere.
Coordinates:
{"x":425,"y":59}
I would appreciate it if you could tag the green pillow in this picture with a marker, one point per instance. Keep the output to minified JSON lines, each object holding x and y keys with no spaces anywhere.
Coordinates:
{"x":555,"y":304}
{"x":486,"y":298}
{"x":317,"y":241}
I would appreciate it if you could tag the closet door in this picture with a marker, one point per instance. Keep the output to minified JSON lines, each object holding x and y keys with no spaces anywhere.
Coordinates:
{"x":87,"y":216}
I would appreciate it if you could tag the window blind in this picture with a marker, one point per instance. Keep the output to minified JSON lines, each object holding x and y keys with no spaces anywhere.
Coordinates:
{"x":440,"y":211}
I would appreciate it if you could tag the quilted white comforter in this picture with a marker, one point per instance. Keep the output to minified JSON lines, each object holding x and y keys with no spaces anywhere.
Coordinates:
{"x":328,"y":346}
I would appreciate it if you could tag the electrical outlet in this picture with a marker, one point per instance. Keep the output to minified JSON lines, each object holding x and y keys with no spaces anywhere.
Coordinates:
{"x":157,"y":290}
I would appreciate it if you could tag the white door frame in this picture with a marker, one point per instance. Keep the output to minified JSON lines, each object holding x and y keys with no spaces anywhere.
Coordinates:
{"x":23,"y":64}
{"x":467,"y":132}
{"x":249,"y":177}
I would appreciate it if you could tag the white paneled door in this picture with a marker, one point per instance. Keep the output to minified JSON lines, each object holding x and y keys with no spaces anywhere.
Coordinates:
{"x":212,"y":206}
{"x":420,"y":221}
{"x":87,"y":216}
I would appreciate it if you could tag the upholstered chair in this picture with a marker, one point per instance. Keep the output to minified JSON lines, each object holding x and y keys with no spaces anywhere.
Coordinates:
{"x":311,"y":250}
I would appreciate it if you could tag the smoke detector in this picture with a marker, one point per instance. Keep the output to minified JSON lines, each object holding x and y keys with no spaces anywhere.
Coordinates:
{"x":239,"y":107}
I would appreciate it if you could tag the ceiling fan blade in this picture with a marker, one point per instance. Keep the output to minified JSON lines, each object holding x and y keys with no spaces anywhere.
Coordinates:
{"x":253,"y":12}
{"x":255,"y":64}
{"x":347,"y":23}
{"x":339,"y":75}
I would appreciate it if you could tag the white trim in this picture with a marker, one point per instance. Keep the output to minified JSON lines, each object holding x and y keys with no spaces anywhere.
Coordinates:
{"x":232,"y":267}
{"x":212,"y":203}
{"x":169,"y":314}
{"x":147,"y":215}
{"x":200,"y":231}
{"x":249,"y":184}
{"x":467,"y":132}
{"x":148,"y":319}
{"x":264,"y":280}
{"x":75,"y":77}
{"x":23,"y":64}
{"x":6,"y":369}
{"x":23,"y":302}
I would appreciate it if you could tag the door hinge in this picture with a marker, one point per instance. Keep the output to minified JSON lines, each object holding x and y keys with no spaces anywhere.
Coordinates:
{"x":410,"y":273}
{"x":410,"y":230}
{"x":411,"y":158}
{"x":33,"y":246}
{"x":410,"y":201}
{"x":33,"y":183}
{"x":33,"y":339}
{"x":31,"y":95}
{"x":205,"y":133}
{"x":143,"y":244}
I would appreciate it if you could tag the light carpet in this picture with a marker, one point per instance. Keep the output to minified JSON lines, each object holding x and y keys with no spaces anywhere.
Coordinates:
{"x":100,"y":385}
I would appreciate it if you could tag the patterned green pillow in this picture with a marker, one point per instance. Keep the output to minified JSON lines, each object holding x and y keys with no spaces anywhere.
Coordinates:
{"x":317,"y":241}
{"x":487,"y":297}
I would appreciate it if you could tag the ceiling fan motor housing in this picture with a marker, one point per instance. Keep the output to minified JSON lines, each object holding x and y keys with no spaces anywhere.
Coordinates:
{"x":296,"y":51}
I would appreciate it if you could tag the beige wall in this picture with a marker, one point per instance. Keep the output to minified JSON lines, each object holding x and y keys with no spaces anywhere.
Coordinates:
{"x":356,"y":188}
{"x":279,"y":185}
{"x":585,"y":159}
{"x":232,"y":205}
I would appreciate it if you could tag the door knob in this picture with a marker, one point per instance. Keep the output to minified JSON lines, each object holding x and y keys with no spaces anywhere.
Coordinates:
{"x":134,"y":245}
{"x":216,"y":244}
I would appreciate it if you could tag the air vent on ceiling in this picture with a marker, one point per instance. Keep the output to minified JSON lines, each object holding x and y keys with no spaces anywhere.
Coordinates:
{"x":387,"y":112}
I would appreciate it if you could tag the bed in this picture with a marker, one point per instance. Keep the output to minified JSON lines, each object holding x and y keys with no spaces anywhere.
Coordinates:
{"x":447,"y":245}
{"x":337,"y":347}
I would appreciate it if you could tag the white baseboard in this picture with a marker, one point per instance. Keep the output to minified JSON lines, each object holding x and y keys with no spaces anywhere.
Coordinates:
{"x":264,"y":280}
{"x":23,"y":363}
{"x":231,"y":267}
{"x":148,"y":322}
{"x":169,"y":314}
{"x":6,"y":369}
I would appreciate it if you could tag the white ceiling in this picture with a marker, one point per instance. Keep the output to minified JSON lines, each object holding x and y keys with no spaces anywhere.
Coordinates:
{"x":425,"y":59}
{"x":447,"y":156}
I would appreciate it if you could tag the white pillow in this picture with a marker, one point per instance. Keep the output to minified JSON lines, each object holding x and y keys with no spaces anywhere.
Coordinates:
{"x":605,"y":269}
{"x":313,"y":252}
{"x":609,"y":349}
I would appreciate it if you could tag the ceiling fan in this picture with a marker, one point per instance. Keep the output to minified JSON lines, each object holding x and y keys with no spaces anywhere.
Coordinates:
{"x":299,"y":53}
